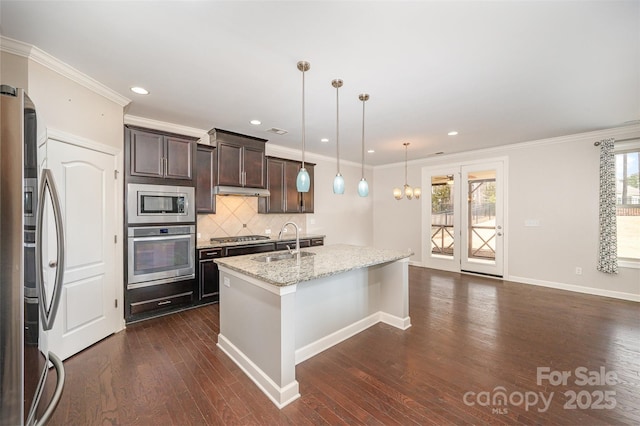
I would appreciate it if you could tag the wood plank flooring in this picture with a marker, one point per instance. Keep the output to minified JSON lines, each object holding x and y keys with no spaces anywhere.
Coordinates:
{"x":473,"y":339}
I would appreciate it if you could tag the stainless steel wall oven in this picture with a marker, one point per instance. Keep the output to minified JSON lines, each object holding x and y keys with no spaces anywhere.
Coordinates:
{"x":160,"y":254}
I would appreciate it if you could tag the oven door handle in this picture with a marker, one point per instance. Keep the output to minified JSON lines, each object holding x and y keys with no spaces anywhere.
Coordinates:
{"x":162,"y":238}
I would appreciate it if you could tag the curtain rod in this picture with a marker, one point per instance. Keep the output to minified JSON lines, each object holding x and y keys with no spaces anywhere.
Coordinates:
{"x":617,"y":140}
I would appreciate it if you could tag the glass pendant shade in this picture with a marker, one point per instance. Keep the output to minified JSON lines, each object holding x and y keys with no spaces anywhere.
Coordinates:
{"x":408,"y":192}
{"x":338,"y":184}
{"x":397,"y":193}
{"x":363,"y":188}
{"x":417,"y":192}
{"x":303,"y":182}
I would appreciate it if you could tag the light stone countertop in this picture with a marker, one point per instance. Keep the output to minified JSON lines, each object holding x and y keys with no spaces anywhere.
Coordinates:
{"x":328,"y":260}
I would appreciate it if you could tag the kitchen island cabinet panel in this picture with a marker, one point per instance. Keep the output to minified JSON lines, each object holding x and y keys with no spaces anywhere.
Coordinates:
{"x":274,"y":316}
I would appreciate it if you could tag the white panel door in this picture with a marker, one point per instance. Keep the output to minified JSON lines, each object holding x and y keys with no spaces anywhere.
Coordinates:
{"x":87,"y":188}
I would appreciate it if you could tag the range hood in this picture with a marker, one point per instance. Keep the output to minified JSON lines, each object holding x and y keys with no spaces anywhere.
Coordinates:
{"x":240,"y":191}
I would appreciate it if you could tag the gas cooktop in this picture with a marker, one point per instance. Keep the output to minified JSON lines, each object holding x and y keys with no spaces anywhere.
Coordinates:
{"x":239,"y":239}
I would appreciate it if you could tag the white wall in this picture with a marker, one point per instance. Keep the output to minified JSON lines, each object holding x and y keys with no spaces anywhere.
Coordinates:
{"x":65,"y":105}
{"x":554,"y":181}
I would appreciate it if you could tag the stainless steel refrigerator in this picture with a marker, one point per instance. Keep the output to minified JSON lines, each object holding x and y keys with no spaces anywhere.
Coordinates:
{"x":30,"y":230}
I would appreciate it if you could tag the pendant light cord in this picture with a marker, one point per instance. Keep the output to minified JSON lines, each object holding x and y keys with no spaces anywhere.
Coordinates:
{"x":338,"y":127}
{"x":363,"y":101}
{"x":303,"y":123}
{"x":406,"y":146}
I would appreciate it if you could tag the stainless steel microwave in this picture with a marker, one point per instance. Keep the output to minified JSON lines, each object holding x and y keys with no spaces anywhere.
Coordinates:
{"x":160,"y":204}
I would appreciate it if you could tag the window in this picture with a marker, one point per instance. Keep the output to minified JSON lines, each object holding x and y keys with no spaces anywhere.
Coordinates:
{"x":628,"y":201}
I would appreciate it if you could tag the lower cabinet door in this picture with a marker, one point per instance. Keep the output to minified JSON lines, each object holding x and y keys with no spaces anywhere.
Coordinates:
{"x":209,"y":280}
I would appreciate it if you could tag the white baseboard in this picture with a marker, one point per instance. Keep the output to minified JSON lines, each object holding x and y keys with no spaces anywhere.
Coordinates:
{"x":280,"y":396}
{"x":577,"y":288}
{"x":324,"y":343}
{"x":397,"y":322}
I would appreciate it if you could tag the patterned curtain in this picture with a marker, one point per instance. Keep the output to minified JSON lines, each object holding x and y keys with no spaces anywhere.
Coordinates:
{"x":608,"y":250}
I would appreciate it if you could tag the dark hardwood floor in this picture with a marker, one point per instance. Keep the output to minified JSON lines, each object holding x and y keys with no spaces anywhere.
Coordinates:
{"x":473,"y":340}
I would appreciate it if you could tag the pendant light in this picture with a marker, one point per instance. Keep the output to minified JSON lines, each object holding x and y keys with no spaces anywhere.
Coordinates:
{"x":406,"y":191}
{"x":363,"y":186}
{"x":338,"y":181}
{"x":303,"y":181}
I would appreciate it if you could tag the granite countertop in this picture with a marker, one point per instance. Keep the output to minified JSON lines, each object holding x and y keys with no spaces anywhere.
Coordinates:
{"x":209,"y":244}
{"x":328,"y":260}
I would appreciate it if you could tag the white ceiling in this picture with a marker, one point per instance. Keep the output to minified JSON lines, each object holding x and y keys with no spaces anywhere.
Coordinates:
{"x":497,"y":72}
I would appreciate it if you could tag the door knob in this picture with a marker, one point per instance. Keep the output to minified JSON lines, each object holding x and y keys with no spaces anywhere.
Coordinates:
{"x":499,"y":234}
{"x":53,"y":264}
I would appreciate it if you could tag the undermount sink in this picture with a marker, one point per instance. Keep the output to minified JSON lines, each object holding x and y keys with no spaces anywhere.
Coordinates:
{"x":280,"y":256}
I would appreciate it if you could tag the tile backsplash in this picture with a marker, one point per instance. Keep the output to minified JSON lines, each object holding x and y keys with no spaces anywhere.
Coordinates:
{"x":239,"y":216}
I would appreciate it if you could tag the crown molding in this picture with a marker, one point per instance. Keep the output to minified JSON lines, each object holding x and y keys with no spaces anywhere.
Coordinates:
{"x":621,"y":132}
{"x":279,"y":150}
{"x":41,"y":57}
{"x":166,"y":127}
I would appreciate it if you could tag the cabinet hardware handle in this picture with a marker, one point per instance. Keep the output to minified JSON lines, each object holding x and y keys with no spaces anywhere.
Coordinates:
{"x":166,"y":302}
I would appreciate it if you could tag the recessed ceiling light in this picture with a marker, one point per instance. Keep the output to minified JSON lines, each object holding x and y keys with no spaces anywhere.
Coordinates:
{"x":255,"y":122}
{"x":324,"y":140}
{"x":452,"y":133}
{"x":371,"y":151}
{"x":139,"y":90}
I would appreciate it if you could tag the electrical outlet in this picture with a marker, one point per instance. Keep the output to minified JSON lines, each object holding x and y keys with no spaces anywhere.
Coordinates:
{"x":199,"y":235}
{"x":226,"y":282}
{"x":578,"y":270}
{"x":267,"y":231}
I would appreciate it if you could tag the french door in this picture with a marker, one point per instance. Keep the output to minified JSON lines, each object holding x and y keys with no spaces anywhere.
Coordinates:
{"x":463,"y":228}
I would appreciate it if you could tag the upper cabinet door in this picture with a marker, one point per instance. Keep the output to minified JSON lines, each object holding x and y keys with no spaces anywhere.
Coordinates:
{"x":205,"y":179}
{"x":153,"y":154}
{"x":293,"y":196}
{"x":254,"y":167}
{"x":229,"y":164}
{"x":178,"y":154}
{"x":147,"y":154}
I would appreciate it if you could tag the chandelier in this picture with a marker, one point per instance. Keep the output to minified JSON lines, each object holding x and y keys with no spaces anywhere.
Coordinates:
{"x":406,"y":190}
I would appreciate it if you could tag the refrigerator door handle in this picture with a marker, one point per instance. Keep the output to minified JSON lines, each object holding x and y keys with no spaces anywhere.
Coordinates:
{"x":57,"y":394}
{"x":48,"y":311}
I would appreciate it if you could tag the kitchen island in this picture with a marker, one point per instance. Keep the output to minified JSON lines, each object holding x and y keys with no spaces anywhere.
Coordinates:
{"x":274,"y":315}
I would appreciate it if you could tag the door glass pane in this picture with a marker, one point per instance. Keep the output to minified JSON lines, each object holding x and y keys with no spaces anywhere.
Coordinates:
{"x":482,"y":215}
{"x":442,"y":235}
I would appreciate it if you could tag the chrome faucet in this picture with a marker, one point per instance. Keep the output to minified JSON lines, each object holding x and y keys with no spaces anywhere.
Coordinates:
{"x":297,"y":250}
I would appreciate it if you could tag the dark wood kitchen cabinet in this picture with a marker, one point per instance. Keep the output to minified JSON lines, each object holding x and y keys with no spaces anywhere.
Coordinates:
{"x":241,"y":159}
{"x":208,"y":277}
{"x":206,"y":168}
{"x":148,"y":302}
{"x":157,"y":155}
{"x":281,"y":183}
